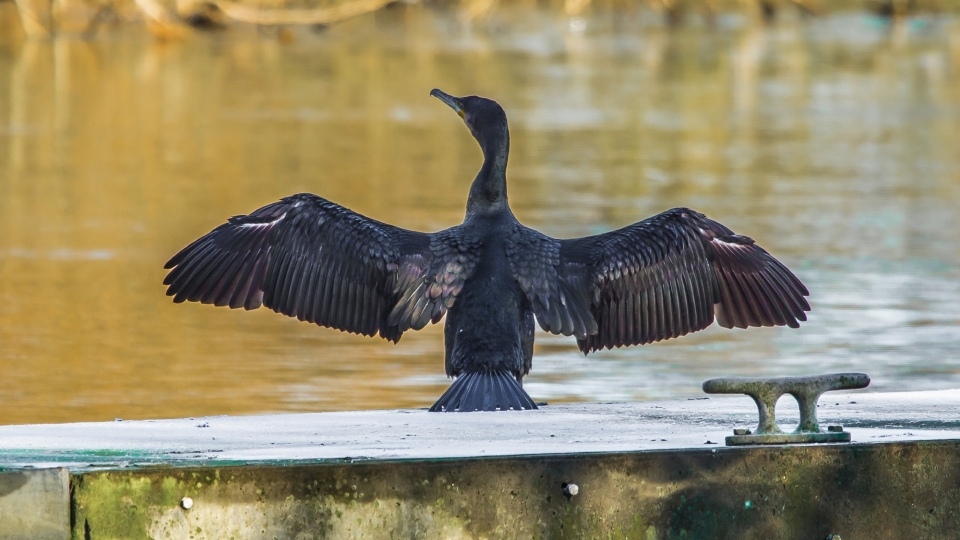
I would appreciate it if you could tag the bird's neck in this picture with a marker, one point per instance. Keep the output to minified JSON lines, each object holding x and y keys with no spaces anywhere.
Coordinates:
{"x":489,"y":190}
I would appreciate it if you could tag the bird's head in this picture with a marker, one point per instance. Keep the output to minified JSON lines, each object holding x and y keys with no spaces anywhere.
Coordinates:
{"x":483,"y":116}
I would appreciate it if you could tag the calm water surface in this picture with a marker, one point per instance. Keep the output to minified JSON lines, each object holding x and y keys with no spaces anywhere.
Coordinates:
{"x":834,"y":142}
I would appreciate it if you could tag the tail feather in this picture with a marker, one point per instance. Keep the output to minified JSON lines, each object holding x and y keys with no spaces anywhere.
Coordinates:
{"x":478,"y":391}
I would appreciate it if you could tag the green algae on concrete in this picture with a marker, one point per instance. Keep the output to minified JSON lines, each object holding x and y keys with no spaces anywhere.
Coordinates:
{"x":121,"y":506}
{"x":900,"y":490}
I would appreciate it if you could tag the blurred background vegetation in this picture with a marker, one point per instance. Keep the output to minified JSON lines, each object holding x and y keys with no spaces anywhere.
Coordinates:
{"x":168,"y":18}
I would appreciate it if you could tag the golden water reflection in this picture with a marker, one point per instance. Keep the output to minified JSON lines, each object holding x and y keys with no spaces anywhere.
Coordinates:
{"x":831,"y":141}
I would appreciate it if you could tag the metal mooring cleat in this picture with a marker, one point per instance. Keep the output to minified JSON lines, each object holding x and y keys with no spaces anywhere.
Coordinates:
{"x":806,"y":390}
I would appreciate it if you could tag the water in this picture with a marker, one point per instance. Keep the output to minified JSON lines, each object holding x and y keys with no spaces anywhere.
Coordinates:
{"x":832,"y":141}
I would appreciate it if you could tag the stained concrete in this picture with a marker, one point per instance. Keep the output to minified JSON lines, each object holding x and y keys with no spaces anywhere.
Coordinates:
{"x":34,"y":505}
{"x":886,"y":491}
{"x":644,"y":470}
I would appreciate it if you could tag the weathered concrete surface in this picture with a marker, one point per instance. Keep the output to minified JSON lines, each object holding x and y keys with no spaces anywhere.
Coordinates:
{"x":887,"y":491}
{"x":35,"y":505}
{"x":644,"y":471}
{"x":417,"y":434}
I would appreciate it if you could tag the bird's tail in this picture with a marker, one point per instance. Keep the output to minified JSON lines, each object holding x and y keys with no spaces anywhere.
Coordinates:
{"x":484,"y":391}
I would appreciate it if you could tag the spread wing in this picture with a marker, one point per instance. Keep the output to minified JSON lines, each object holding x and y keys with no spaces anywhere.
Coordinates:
{"x":309,"y":258}
{"x":660,"y":278}
{"x":559,"y":296}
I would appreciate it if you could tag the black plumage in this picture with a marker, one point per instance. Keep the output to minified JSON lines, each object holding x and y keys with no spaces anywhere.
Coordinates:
{"x":660,"y":278}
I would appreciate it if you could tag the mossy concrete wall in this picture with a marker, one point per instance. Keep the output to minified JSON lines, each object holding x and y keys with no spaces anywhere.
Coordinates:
{"x":877,"y":491}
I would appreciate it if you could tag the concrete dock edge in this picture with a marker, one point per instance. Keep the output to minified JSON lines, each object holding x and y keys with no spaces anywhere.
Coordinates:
{"x":877,"y":491}
{"x":647,"y":471}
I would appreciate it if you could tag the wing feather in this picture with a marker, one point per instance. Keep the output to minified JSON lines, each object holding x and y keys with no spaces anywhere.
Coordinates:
{"x":273,"y":291}
{"x":216,"y":277}
{"x":242,"y":282}
{"x":309,"y":258}
{"x":230,"y":280}
{"x":686,"y":315}
{"x":643,"y":315}
{"x":308,"y":289}
{"x":204,"y":274}
{"x":672,"y":274}
{"x":242,"y":275}
{"x":560,"y":303}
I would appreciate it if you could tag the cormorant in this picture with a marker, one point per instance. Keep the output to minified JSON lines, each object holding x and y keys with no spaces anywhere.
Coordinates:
{"x":663,"y":277}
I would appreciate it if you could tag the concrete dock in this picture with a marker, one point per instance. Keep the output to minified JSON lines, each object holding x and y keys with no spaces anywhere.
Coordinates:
{"x":651,"y":470}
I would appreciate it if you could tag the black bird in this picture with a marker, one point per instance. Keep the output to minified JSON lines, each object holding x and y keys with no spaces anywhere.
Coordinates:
{"x":660,"y":278}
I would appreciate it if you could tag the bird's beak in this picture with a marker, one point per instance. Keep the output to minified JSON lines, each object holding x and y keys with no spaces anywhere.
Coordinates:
{"x":451,"y":101}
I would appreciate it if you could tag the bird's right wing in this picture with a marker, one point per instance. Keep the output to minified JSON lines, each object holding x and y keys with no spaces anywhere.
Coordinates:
{"x":309,"y":258}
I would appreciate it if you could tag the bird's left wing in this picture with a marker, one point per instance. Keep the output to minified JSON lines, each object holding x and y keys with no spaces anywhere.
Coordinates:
{"x":659,"y":278}
{"x":672,"y":273}
{"x":309,"y":258}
